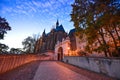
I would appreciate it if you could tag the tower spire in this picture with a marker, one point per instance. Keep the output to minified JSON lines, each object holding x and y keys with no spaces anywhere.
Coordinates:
{"x":57,"y":23}
{"x":43,"y":34}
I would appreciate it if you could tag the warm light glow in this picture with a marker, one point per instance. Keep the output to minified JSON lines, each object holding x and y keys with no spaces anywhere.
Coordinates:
{"x":68,"y":48}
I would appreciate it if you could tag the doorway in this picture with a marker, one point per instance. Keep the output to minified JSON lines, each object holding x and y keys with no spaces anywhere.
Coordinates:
{"x":60,"y":54}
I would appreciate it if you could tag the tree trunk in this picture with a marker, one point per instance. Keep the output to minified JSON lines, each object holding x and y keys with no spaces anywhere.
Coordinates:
{"x":99,"y":41}
{"x":104,"y":42}
{"x":101,"y":44}
{"x":117,"y":33}
{"x":105,"y":52}
{"x":115,"y":43}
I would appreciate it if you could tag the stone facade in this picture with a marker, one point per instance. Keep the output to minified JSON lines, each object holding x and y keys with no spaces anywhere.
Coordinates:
{"x":62,"y":49}
{"x":48,"y":40}
{"x":58,"y":41}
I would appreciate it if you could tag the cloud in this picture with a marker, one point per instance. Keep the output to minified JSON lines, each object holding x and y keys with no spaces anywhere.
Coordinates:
{"x":34,"y":16}
{"x":53,"y":8}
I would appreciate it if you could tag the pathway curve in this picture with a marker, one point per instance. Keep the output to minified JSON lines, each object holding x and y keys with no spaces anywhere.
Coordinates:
{"x":52,"y":71}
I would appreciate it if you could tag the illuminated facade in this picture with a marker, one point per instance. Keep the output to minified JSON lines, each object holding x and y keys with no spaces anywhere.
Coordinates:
{"x":58,"y":43}
{"x":81,"y":45}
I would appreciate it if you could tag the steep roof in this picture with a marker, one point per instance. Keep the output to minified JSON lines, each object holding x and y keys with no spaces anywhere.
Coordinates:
{"x":57,"y":29}
{"x":60,"y":28}
{"x":72,"y":31}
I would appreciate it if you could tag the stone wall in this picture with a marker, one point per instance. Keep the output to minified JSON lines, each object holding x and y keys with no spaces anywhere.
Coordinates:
{"x":107,"y":66}
{"x":8,"y":62}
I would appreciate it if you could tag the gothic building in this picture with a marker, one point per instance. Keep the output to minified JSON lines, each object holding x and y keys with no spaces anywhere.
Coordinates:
{"x":48,"y":40}
{"x":61,"y":43}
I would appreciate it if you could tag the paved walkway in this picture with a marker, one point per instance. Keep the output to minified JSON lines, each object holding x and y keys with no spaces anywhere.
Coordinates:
{"x":54,"y":71}
{"x":51,"y":70}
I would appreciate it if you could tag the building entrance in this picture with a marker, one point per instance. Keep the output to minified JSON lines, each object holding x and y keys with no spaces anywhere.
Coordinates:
{"x":60,"y":54}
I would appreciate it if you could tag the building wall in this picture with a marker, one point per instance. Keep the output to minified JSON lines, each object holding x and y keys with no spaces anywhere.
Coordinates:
{"x":73,"y":44}
{"x":48,"y":42}
{"x":80,"y":44}
{"x":65,"y":44}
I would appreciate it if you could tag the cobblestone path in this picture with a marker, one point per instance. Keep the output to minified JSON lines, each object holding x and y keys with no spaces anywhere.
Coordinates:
{"x":51,"y":70}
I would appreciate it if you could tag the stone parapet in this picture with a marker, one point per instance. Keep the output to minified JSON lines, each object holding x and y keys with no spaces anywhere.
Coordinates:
{"x":107,"y":66}
{"x":9,"y":62}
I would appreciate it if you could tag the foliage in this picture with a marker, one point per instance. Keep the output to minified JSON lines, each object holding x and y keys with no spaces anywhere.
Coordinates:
{"x":4,"y":27}
{"x":3,"y":48}
{"x":15,"y":51}
{"x":95,"y":17}
{"x":101,"y":48}
{"x":29,"y":44}
{"x":87,"y":48}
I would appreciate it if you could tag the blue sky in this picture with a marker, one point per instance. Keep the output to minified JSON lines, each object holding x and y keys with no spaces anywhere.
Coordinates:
{"x":28,"y":17}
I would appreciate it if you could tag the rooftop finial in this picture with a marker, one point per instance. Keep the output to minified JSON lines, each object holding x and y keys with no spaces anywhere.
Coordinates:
{"x":43,"y":34}
{"x":57,"y":23}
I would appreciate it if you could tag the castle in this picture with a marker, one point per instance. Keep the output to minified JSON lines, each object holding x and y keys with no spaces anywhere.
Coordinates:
{"x":47,"y":41}
{"x":59,"y":43}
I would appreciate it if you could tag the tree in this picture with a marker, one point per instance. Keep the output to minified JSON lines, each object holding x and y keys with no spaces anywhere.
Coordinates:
{"x":29,"y":44}
{"x":97,"y":18}
{"x":4,"y":27}
{"x":110,"y":19}
{"x":3,"y":48}
{"x":16,"y":51}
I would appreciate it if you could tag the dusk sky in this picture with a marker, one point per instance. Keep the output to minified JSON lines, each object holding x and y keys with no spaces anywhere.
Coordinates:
{"x":28,"y":17}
